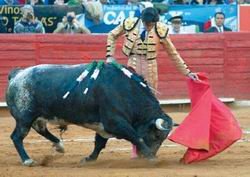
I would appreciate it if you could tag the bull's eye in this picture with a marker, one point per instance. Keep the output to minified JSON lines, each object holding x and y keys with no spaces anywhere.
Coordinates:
{"x":158,"y":135}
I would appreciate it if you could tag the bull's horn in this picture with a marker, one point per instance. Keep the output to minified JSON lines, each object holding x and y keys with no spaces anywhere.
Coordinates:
{"x":158,"y":124}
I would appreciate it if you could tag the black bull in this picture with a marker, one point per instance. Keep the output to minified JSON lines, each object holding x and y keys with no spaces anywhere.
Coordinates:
{"x":115,"y":106}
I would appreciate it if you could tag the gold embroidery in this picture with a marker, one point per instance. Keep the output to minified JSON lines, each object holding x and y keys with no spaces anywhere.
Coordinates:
{"x":130,"y":23}
{"x":161,"y":29}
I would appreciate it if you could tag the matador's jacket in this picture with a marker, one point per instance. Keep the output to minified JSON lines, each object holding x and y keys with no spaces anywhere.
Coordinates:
{"x":142,"y":54}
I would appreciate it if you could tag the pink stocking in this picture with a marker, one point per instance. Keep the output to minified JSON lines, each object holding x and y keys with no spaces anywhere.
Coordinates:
{"x":134,"y":152}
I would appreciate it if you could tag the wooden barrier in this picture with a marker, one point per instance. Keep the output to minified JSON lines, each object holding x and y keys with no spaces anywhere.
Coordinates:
{"x":225,"y":57}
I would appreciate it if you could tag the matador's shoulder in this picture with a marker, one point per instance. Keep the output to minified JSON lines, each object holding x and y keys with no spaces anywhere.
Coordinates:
{"x":161,"y":30}
{"x":130,"y":23}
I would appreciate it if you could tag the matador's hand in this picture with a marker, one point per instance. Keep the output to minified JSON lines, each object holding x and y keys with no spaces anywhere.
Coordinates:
{"x":110,"y":60}
{"x":193,"y":76}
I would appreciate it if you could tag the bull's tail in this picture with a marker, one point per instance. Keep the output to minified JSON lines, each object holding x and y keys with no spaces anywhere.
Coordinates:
{"x":13,"y":73}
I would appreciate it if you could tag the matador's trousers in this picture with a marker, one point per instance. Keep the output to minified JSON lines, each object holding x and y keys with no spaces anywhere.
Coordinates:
{"x":147,"y":68}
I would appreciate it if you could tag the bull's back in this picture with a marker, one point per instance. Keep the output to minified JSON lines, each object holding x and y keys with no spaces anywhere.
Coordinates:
{"x":41,"y":85}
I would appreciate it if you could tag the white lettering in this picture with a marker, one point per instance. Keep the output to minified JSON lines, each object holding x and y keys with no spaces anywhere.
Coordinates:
{"x":109,"y":17}
{"x":120,"y":18}
{"x":115,"y":18}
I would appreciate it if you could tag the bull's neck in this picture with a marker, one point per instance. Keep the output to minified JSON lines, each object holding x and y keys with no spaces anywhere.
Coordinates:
{"x":150,"y":110}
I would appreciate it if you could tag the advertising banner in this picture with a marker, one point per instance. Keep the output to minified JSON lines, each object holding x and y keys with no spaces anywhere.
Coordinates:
{"x":113,"y":15}
{"x":197,"y":16}
{"x":48,"y":15}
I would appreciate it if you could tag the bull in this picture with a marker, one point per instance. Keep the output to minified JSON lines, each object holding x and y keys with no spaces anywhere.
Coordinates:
{"x":115,"y":106}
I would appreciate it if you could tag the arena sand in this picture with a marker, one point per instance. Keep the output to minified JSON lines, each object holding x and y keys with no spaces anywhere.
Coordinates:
{"x":115,"y":160}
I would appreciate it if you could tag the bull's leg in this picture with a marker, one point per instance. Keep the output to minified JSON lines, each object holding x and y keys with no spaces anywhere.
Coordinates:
{"x":100,"y":144}
{"x":19,"y":133}
{"x":40,"y":126}
{"x":122,"y":129}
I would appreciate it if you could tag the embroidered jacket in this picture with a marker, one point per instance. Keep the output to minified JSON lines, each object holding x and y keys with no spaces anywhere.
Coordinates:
{"x":134,"y":45}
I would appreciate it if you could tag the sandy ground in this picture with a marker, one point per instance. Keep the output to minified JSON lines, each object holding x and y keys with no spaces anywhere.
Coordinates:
{"x":115,"y":160}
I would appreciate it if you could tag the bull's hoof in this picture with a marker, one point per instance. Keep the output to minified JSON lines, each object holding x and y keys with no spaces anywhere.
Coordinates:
{"x":87,"y":160}
{"x":59,"y":147}
{"x":152,"y":159}
{"x":29,"y":163}
{"x":147,"y":155}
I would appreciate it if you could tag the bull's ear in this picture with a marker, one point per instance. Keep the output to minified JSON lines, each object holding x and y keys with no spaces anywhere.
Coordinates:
{"x":161,"y":124}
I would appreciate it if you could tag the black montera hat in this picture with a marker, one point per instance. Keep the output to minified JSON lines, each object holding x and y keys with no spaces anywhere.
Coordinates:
{"x":150,"y":14}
